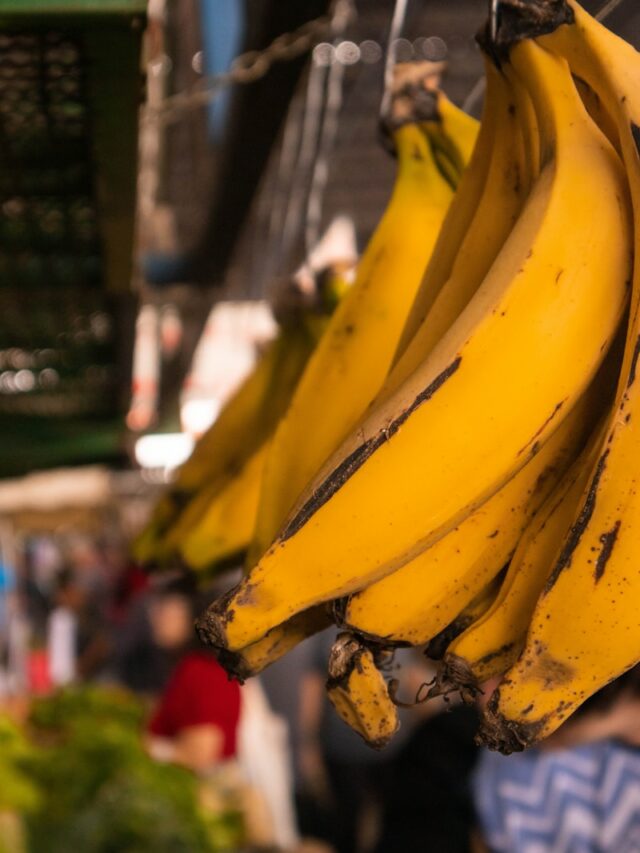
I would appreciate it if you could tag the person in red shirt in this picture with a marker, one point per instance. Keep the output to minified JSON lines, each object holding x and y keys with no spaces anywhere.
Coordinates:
{"x":196,"y":721}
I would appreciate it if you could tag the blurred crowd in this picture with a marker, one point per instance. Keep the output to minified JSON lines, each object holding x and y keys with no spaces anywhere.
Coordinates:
{"x":274,"y":747}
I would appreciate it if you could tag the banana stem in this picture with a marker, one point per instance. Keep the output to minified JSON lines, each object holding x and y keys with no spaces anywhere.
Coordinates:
{"x":516,"y":20}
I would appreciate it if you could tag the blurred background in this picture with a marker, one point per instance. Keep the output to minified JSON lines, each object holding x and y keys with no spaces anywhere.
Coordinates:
{"x":165,"y":168}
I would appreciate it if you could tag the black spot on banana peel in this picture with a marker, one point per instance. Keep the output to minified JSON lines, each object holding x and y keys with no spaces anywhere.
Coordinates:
{"x":533,"y":445}
{"x":579,"y":526}
{"x":635,"y":132}
{"x":634,"y":363}
{"x":348,"y":467}
{"x":608,"y":541}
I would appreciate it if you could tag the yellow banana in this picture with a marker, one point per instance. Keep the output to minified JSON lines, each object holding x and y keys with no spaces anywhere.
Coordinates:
{"x":476,"y":608}
{"x":168,"y":545}
{"x":599,"y":112}
{"x":459,"y":127}
{"x":225,"y":528}
{"x":359,"y":693}
{"x":419,"y":600}
{"x":350,"y":363}
{"x":493,"y":643}
{"x":275,"y":644}
{"x":593,"y":584}
{"x":456,"y":223}
{"x":505,"y":191}
{"x":243,"y":425}
{"x":453,"y":138}
{"x":518,"y":357}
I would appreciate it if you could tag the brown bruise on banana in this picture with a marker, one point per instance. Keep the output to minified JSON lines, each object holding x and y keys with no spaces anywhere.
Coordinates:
{"x":349,"y":466}
{"x":608,"y":541}
{"x":546,"y":669}
{"x":509,"y":735}
{"x":578,"y":528}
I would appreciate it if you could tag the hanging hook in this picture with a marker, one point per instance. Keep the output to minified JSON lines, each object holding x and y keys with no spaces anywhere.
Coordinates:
{"x":397,"y":25}
{"x":493,"y":19}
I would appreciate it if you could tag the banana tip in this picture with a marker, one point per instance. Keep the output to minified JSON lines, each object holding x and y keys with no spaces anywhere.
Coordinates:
{"x":210,"y":630}
{"x":506,"y":736}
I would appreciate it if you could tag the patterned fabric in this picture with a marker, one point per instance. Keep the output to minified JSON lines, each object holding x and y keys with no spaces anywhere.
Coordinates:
{"x":581,"y":800}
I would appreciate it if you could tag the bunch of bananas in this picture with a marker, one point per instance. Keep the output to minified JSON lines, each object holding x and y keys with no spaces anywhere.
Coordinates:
{"x":465,"y":475}
{"x":327,"y":363}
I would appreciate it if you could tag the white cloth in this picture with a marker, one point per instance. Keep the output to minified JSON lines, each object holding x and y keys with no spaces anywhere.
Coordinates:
{"x":265,"y":758}
{"x":61,"y":646}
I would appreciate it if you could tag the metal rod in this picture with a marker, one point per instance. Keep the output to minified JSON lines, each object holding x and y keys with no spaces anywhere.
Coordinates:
{"x":320,"y":176}
{"x":474,"y":95}
{"x":397,"y":24}
{"x":493,"y":18}
{"x":607,"y":9}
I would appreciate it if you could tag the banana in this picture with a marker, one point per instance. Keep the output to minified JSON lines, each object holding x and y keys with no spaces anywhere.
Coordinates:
{"x":593,"y":583}
{"x":275,"y":644}
{"x":452,"y":139}
{"x":242,"y":426}
{"x":359,"y":693}
{"x":476,"y":608}
{"x":459,"y":127}
{"x":420,"y":463}
{"x":168,"y":545}
{"x":459,"y":216}
{"x":493,"y":643}
{"x":225,"y":528}
{"x":501,"y":202}
{"x":419,"y":600}
{"x":353,"y":358}
{"x":599,"y":112}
